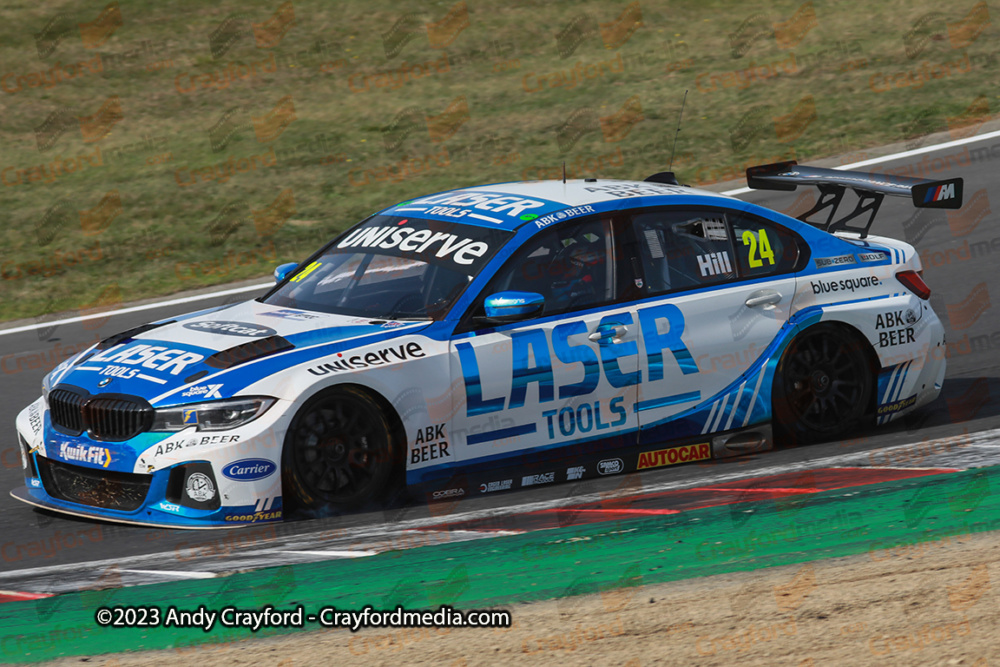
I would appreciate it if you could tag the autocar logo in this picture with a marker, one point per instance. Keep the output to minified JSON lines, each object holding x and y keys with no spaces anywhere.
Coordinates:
{"x":247,"y":470}
{"x":242,"y":329}
{"x":610,"y":466}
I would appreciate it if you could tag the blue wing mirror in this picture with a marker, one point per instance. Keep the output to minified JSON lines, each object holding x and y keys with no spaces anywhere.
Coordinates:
{"x":505,"y":307}
{"x":282,"y":271}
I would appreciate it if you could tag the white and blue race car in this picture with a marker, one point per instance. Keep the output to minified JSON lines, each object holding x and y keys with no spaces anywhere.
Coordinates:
{"x":501,"y":337}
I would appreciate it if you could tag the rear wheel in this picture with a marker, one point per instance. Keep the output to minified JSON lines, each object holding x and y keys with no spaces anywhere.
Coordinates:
{"x":823,"y":385}
{"x":338,"y":453}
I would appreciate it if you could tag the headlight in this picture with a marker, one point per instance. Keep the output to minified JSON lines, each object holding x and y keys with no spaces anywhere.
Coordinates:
{"x":212,"y":416}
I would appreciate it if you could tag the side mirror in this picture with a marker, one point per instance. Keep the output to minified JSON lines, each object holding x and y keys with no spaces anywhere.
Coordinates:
{"x":505,"y":307}
{"x":282,"y":271}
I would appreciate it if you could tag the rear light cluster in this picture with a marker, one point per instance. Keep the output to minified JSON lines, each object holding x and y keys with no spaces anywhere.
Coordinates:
{"x":912,"y":281}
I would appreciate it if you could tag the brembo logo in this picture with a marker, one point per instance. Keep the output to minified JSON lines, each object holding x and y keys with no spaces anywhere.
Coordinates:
{"x":248,"y":470}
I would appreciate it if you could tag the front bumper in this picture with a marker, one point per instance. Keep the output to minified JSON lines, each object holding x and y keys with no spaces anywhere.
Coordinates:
{"x":150,"y":488}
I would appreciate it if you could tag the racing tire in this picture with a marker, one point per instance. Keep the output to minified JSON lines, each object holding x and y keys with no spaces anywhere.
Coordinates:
{"x":339,"y":454}
{"x":823,"y":385}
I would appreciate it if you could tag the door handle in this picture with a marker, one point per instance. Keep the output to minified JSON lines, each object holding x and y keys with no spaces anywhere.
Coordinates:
{"x":608,"y":333}
{"x":763,"y":298}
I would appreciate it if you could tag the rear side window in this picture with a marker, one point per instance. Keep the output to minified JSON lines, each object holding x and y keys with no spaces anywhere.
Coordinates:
{"x":763,"y":248}
{"x":681,"y":250}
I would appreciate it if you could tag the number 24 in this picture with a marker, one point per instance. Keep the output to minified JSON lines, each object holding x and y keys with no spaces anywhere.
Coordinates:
{"x":751,"y":239}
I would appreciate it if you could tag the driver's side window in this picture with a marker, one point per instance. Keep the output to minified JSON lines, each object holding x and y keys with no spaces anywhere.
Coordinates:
{"x":567,"y":264}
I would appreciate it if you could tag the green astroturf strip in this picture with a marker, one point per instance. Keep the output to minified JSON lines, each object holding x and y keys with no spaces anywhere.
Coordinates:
{"x":535,"y":566}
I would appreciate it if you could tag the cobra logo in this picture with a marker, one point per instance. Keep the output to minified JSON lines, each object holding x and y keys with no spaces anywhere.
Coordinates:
{"x":248,"y":470}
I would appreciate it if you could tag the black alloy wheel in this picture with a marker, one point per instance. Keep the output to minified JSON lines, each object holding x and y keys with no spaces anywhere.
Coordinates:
{"x":823,"y":386}
{"x":338,"y":454}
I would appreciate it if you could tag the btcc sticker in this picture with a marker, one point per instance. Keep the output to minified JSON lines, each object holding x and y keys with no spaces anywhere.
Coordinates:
{"x":231,"y":329}
{"x":389,"y":355}
{"x":823,"y":262}
{"x":85,"y":454}
{"x":896,"y":406}
{"x":490,"y":487}
{"x":846,"y":285}
{"x":610,"y":467}
{"x":668,"y":457}
{"x":544,"y":478}
{"x":547,"y":220}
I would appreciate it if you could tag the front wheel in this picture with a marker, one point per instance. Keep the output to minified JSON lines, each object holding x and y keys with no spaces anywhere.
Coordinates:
{"x":823,"y":385}
{"x":338,"y":453}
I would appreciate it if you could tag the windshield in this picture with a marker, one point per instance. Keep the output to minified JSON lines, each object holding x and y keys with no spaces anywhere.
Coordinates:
{"x":393,"y":268}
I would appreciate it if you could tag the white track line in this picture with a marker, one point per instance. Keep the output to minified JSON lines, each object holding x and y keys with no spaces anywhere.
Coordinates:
{"x":175,"y":573}
{"x":334,"y":554}
{"x":136,"y":309}
{"x":238,"y":290}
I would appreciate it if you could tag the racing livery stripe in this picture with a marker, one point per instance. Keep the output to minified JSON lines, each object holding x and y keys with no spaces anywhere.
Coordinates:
{"x":711,"y":415}
{"x":892,"y":383}
{"x":902,"y":381}
{"x":753,"y":401}
{"x":501,"y":433}
{"x":737,"y":397}
{"x":667,"y":400}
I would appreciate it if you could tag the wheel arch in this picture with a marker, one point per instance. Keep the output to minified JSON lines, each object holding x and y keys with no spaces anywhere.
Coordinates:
{"x":854,"y":334}
{"x":397,"y":432}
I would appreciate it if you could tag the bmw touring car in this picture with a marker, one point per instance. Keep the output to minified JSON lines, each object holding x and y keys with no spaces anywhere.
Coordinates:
{"x":501,"y":337}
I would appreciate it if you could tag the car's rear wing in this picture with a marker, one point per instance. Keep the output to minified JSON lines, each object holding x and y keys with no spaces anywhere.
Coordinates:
{"x":870,"y":189}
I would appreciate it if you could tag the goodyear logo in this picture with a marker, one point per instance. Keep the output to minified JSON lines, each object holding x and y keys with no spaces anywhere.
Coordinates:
{"x":668,"y":457}
{"x":892,"y":408}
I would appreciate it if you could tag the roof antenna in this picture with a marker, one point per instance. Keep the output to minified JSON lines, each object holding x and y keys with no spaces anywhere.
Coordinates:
{"x":564,"y":172}
{"x":679,"y":116}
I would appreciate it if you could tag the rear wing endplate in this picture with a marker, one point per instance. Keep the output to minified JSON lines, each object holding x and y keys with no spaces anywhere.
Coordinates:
{"x":871,"y":189}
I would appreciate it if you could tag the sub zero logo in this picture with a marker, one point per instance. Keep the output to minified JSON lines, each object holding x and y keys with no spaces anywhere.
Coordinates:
{"x":714,"y":263}
{"x":823,"y":262}
{"x":544,"y":478}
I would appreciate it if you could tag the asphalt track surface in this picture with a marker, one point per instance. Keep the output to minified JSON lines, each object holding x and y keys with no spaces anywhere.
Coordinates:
{"x":42,"y":552}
